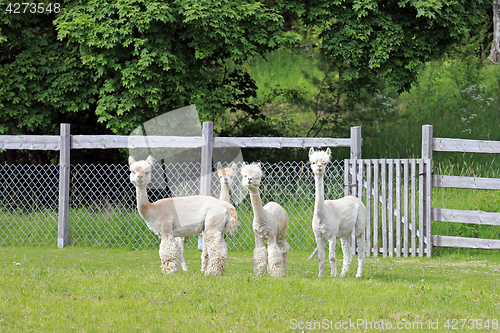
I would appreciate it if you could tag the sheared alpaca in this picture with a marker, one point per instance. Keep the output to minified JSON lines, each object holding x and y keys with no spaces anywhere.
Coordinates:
{"x":184,"y":216}
{"x":336,"y":219}
{"x":270,"y":224}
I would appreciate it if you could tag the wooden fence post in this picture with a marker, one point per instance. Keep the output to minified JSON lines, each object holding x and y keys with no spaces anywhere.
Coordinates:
{"x":427,"y":142}
{"x":427,"y":137}
{"x":64,"y":173}
{"x":355,"y":155}
{"x":356,"y":142}
{"x":206,"y":164}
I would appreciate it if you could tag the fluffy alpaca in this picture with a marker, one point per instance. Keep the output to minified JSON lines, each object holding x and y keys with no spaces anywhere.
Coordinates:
{"x":226,"y":176}
{"x":181,"y":217}
{"x":336,"y":219}
{"x":270,"y":224}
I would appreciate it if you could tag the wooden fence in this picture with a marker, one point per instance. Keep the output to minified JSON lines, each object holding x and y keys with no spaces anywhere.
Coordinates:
{"x":207,"y":142}
{"x":398,"y":197}
{"x":397,"y":192}
{"x":463,"y":216}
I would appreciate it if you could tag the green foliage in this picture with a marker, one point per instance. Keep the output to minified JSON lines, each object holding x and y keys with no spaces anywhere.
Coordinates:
{"x":458,"y":95}
{"x":39,"y":75}
{"x":369,"y":40}
{"x":153,"y":56}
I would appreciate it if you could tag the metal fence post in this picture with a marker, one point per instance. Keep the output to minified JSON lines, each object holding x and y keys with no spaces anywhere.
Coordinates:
{"x":206,"y":164}
{"x":64,"y":165}
{"x":427,"y":137}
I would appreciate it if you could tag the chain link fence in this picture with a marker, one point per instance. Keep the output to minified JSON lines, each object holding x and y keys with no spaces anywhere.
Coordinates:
{"x":29,"y":199}
{"x":103,"y":202}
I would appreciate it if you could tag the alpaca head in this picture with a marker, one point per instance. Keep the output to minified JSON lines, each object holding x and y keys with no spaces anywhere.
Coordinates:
{"x":226,"y":175}
{"x":252,"y":174}
{"x":140,"y":171}
{"x":319,"y":159}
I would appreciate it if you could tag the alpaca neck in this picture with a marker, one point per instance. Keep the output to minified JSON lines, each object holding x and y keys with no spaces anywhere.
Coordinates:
{"x":319,"y":201}
{"x":142,"y":206}
{"x":224,"y":193}
{"x":142,"y":197}
{"x":258,"y":209}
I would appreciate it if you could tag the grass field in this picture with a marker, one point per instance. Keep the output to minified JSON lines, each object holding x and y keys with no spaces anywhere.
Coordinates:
{"x":44,"y":289}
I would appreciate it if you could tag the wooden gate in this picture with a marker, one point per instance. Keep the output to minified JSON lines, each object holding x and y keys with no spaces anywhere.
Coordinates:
{"x":397,"y":194}
{"x":398,"y":197}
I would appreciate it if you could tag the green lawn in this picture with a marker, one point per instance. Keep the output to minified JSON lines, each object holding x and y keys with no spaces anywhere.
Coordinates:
{"x":76,"y":289}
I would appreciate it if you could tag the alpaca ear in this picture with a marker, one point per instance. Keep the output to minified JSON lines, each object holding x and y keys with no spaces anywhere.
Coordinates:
{"x":234,"y":166}
{"x":329,"y":152}
{"x":131,"y":160}
{"x":258,"y":164}
{"x":151,"y":160}
{"x":244,"y":163}
{"x":311,"y":151}
{"x":219,"y":166}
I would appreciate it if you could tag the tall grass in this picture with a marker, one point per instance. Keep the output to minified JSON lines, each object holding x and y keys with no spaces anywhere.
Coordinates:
{"x":284,"y":68}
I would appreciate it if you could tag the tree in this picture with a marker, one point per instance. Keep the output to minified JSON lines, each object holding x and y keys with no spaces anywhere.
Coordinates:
{"x":108,"y":66}
{"x":43,"y":83}
{"x":371,"y":40}
{"x":148,"y":57}
{"x":495,"y":46}
{"x":129,"y":60}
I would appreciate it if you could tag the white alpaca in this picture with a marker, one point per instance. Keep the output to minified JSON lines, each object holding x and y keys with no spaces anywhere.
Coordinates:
{"x":226,"y":176}
{"x":270,"y":224}
{"x":181,"y":217}
{"x":336,"y":219}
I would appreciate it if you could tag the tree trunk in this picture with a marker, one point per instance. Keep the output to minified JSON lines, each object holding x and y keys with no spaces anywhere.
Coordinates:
{"x":495,"y":47}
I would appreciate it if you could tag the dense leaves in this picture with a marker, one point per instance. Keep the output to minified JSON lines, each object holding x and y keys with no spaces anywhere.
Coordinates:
{"x":42,"y":80}
{"x":102,"y":64}
{"x":371,"y":39}
{"x":149,"y":57}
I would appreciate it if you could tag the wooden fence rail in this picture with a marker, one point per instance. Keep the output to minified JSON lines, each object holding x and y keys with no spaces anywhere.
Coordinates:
{"x":397,"y":192}
{"x":464,"y":216}
{"x":207,"y":142}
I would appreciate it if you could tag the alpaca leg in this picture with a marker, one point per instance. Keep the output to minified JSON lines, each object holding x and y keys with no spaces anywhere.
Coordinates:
{"x":346,"y":251}
{"x":182,"y":241}
{"x":284,"y":248}
{"x":332,"y":256}
{"x":170,"y":255}
{"x":259,"y":256}
{"x":217,"y":253}
{"x":361,"y":253}
{"x":260,"y":260}
{"x":204,"y":255}
{"x":275,"y":261}
{"x":313,"y":254}
{"x":321,"y":255}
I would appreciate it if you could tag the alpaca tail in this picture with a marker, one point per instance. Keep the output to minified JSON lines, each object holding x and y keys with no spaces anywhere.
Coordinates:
{"x":233,"y":223}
